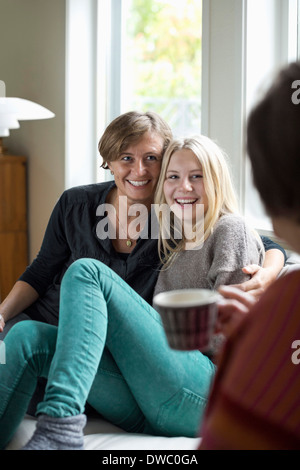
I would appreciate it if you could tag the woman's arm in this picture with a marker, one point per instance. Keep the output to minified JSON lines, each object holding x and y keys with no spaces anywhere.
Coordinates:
{"x":20,"y":297}
{"x":54,"y":252}
{"x":263,"y":276}
{"x":37,"y":277}
{"x":233,"y":245}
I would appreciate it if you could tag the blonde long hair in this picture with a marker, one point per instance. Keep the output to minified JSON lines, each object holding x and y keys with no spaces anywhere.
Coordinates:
{"x":217,"y":184}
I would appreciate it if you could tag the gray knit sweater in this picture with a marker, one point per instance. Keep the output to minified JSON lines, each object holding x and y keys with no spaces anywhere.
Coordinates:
{"x":230,"y":247}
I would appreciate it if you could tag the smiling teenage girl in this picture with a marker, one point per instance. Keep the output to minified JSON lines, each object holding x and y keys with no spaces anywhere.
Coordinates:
{"x":197,"y":173}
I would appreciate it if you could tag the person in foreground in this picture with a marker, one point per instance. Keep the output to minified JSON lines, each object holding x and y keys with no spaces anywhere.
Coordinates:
{"x":110,"y":343}
{"x":261,"y":358}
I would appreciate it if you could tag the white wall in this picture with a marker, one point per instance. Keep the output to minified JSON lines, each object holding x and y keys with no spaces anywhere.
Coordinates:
{"x":32,"y":64}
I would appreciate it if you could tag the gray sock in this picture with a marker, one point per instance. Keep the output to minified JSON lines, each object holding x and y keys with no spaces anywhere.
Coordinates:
{"x":58,"y":433}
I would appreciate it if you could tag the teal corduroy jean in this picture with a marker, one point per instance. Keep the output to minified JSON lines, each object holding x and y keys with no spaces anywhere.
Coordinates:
{"x":109,"y":350}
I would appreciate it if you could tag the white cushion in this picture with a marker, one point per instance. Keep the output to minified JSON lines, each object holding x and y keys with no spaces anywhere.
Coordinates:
{"x":101,"y":435}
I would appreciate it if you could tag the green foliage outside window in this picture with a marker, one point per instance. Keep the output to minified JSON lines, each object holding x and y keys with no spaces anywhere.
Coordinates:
{"x":166,"y":39}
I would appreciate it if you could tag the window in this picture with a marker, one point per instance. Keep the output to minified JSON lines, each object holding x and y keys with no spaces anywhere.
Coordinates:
{"x":152,"y":51}
{"x":199,"y":63}
{"x":162,"y":61}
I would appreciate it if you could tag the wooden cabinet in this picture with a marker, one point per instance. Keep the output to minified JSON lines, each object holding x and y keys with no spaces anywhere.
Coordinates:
{"x":13,"y":221}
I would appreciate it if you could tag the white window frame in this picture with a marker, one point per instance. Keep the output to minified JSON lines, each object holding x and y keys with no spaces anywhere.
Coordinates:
{"x":279,"y":49}
{"x":111,"y":84}
{"x":223,"y":79}
{"x":81,"y":94}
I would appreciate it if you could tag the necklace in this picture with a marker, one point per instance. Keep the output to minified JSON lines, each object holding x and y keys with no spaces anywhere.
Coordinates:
{"x":128,"y":239}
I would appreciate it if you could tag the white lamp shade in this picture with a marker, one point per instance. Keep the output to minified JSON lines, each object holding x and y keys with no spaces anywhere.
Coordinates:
{"x":13,"y":110}
{"x":24,"y":109}
{"x":9,"y":121}
{"x":4,"y":132}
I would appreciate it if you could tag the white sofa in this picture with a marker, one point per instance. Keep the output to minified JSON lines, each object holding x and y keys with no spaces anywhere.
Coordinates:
{"x":101,"y":435}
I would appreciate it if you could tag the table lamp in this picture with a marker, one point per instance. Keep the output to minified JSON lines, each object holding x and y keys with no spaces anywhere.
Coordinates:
{"x":13,"y":110}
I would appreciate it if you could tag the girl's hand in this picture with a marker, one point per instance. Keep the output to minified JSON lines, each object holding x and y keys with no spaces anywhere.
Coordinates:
{"x":232,"y":308}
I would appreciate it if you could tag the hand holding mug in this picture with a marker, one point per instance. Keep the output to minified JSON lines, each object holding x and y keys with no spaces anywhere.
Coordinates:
{"x":232,"y":308}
